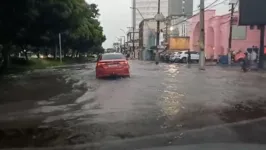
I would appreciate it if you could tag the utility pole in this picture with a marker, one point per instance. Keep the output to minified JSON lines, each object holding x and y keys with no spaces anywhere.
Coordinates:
{"x":133,"y":42}
{"x":261,"y":53}
{"x":134,"y":26}
{"x":202,"y":36}
{"x":60,"y":47}
{"x":158,"y":34}
{"x":230,"y":34}
{"x":166,"y":31}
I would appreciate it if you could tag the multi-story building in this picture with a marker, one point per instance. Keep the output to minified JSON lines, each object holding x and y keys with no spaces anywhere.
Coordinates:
{"x":147,"y":9}
{"x":179,"y":11}
{"x":173,"y":9}
{"x":147,"y":38}
{"x":143,"y":9}
{"x":180,"y":7}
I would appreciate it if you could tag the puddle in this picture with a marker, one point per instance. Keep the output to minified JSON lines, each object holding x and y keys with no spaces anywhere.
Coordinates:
{"x":244,"y":111}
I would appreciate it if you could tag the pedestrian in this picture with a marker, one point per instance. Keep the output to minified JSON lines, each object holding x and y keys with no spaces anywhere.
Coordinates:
{"x":244,"y":65}
{"x":128,"y":55}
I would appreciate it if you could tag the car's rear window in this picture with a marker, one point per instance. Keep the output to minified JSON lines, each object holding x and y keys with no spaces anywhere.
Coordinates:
{"x":112,"y":56}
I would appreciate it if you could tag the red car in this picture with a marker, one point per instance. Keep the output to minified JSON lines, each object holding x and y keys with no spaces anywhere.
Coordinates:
{"x":112,"y":64}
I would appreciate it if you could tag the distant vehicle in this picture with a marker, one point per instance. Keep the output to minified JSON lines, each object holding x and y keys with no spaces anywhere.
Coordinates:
{"x":182,"y":56}
{"x":110,"y":50}
{"x":112,"y":64}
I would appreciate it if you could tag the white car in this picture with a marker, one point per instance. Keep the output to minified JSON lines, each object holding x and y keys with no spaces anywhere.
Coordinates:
{"x":182,"y":56}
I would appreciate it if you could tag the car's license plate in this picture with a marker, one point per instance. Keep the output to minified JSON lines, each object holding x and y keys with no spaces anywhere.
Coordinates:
{"x":112,"y":65}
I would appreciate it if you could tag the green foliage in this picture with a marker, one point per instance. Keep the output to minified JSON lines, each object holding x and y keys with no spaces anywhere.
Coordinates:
{"x":37,"y":23}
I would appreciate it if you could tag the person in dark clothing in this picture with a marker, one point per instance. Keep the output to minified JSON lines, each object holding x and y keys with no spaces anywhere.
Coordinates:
{"x":244,"y":65}
{"x":128,"y":55}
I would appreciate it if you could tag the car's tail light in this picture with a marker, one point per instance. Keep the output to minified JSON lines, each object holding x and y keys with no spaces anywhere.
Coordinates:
{"x":123,"y":63}
{"x":101,"y":64}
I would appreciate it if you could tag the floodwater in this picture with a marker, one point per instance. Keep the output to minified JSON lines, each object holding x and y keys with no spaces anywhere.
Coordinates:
{"x":158,"y":106}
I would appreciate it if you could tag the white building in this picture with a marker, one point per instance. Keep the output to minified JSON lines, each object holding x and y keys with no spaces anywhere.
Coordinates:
{"x":147,"y":9}
{"x":144,"y":9}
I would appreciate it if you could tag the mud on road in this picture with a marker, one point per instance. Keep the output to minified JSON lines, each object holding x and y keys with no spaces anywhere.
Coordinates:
{"x":68,"y":106}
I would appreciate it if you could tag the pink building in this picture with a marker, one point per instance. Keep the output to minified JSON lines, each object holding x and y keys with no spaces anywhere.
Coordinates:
{"x":217,"y":34}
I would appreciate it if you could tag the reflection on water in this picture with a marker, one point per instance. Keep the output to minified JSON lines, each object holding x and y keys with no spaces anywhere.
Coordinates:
{"x":172,"y":70}
{"x":170,"y":103}
{"x":49,"y":109}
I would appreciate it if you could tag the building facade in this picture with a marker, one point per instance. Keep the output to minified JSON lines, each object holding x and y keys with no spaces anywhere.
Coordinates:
{"x":133,"y":48}
{"x":147,"y":9}
{"x":217,"y":34}
{"x":179,"y":11}
{"x":147,"y":38}
{"x":144,"y":9}
{"x":180,"y":7}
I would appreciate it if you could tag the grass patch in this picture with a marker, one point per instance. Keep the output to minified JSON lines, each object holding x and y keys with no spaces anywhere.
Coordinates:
{"x":21,"y":65}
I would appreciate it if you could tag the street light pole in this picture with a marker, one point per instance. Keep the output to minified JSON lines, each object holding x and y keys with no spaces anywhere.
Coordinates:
{"x":158,"y":34}
{"x":202,"y":36}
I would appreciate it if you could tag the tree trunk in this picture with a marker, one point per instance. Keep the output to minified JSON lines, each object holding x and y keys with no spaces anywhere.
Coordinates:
{"x":5,"y":53}
{"x":46,"y":52}
{"x":38,"y":54}
{"x":55,"y":52}
{"x":73,"y":53}
{"x":26,"y":55}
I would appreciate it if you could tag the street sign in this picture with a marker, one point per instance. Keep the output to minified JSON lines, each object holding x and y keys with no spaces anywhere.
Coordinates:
{"x":159,"y":17}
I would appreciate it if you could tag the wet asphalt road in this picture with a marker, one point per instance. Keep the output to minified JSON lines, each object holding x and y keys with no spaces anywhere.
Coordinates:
{"x":158,"y":106}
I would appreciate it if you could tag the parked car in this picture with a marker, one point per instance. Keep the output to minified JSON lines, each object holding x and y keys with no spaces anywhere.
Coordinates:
{"x":112,"y":64}
{"x":182,"y":56}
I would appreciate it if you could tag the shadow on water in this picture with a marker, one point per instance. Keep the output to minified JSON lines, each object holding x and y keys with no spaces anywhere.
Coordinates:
{"x":33,"y":137}
{"x":113,"y":78}
{"x":244,"y":111}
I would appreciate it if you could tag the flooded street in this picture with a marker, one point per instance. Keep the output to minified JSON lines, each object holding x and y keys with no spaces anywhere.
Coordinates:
{"x":161,"y":105}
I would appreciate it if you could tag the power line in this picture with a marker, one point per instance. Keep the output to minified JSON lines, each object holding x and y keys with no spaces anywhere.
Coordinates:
{"x":234,"y":12}
{"x":211,"y":5}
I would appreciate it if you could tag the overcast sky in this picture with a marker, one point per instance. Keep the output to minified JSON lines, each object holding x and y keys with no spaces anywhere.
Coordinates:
{"x":116,"y":15}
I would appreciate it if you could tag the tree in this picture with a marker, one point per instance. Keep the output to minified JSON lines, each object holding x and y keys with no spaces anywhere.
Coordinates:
{"x":37,"y":23}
